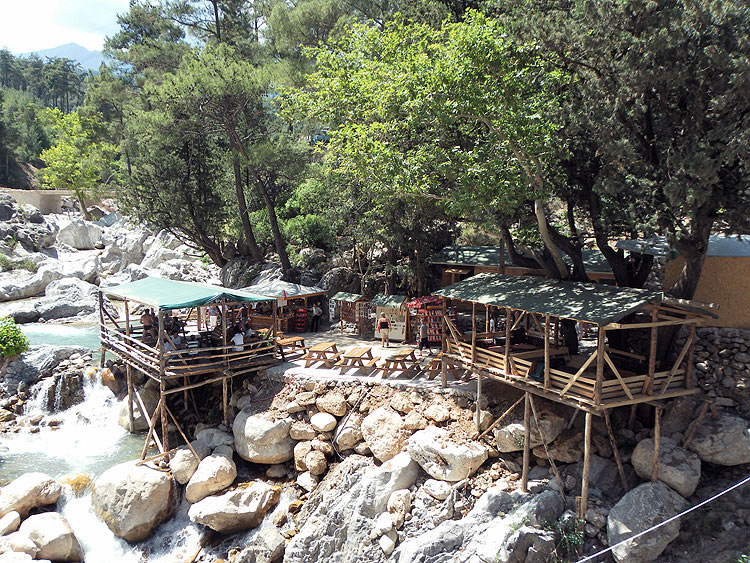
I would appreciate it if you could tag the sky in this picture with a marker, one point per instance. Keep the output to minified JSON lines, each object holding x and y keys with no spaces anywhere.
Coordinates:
{"x":33,"y":25}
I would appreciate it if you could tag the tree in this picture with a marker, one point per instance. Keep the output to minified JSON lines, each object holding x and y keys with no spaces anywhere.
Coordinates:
{"x":77,"y":161}
{"x":458,"y":114}
{"x":659,"y":91}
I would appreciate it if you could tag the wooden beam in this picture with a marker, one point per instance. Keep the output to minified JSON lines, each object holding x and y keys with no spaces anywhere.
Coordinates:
{"x":695,"y":425}
{"x":649,"y":381}
{"x":657,"y":439}
{"x":102,"y":357}
{"x":655,"y":323}
{"x":162,"y":382}
{"x":546,"y":352}
{"x":508,"y":317}
{"x":502,"y":417}
{"x":578,"y":374}
{"x":586,"y":465}
{"x":443,"y":344}
{"x":526,"y":443}
{"x":473,"y":333}
{"x":617,"y":375}
{"x":681,"y":356}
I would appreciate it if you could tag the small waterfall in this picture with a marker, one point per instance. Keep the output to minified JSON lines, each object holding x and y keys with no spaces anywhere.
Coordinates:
{"x":41,"y":395}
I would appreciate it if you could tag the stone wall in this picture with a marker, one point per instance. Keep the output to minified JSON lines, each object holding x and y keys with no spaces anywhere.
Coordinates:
{"x":722,"y":364}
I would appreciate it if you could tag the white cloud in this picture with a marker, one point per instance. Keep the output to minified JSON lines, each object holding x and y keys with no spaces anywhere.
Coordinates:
{"x":32,"y":25}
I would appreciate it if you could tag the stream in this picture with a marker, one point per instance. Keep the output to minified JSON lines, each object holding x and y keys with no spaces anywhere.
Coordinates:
{"x":88,"y":442}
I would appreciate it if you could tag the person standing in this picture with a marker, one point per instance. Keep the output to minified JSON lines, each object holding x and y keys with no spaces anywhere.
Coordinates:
{"x":317,"y":312}
{"x":424,"y":341}
{"x":384,"y":328}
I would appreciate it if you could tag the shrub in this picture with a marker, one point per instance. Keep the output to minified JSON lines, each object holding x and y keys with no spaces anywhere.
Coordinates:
{"x":12,"y":340}
{"x":7,"y":264}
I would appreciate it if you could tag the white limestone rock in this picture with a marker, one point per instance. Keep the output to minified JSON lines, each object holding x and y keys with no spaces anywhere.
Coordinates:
{"x":442,"y":458}
{"x":383,"y":431}
{"x":54,"y":537}
{"x":323,"y":421}
{"x":678,"y":467}
{"x":28,"y":491}
{"x":510,"y":437}
{"x":236,"y":510}
{"x":724,"y":440}
{"x":260,"y":439}
{"x":214,"y":473}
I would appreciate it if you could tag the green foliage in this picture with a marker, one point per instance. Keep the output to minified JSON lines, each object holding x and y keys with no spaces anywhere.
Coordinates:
{"x":7,"y":264}
{"x":569,"y":532}
{"x":743,"y":559}
{"x":77,"y":161}
{"x":12,"y":340}
{"x":310,"y":230}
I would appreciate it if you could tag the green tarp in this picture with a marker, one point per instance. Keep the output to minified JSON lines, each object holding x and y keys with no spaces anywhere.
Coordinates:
{"x":170,"y":294}
{"x":489,"y":256}
{"x":346,"y":297}
{"x":284,"y":290}
{"x":595,"y":303}
{"x":388,"y":300}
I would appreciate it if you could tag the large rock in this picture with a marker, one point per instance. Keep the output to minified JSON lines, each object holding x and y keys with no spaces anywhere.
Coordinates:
{"x":337,"y":518}
{"x":81,"y":235}
{"x":236,"y":510}
{"x":643,"y":507}
{"x":36,"y":363}
{"x":28,"y":491}
{"x":20,"y":284}
{"x":383,"y":431}
{"x":126,"y":249}
{"x":68,"y":297}
{"x":8,"y":207}
{"x":54,"y":537}
{"x":323,"y":421}
{"x":443,"y":458}
{"x":133,"y":499}
{"x":510,"y":437}
{"x":19,"y":545}
{"x":183,"y":465}
{"x":260,"y":439}
{"x":332,"y":402}
{"x":724,"y":440}
{"x":150,"y":397}
{"x":349,"y":432}
{"x":214,"y":473}
{"x":678,"y":467}
{"x":213,"y":438}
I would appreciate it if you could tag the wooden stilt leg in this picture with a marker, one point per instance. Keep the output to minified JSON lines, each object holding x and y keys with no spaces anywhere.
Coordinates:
{"x":657,"y":438}
{"x":631,"y":419}
{"x":546,"y":448}
{"x":479,"y":400}
{"x":526,"y":444}
{"x":129,"y":381}
{"x":696,"y":424}
{"x":225,"y":400}
{"x":615,"y":452}
{"x":586,"y":467}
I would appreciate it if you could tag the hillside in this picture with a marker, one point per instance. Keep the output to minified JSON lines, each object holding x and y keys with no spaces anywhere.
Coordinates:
{"x":89,"y":60}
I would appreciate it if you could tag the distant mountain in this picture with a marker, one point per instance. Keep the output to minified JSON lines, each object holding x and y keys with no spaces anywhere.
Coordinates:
{"x":89,"y":60}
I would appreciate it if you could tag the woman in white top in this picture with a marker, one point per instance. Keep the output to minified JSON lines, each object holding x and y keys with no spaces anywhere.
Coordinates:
{"x":238,"y":341}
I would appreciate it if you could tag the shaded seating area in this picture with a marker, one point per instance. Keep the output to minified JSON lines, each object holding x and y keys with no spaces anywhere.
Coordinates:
{"x":200,"y":338}
{"x":291,"y":300}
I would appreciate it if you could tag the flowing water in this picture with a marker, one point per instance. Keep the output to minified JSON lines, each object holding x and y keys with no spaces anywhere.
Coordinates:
{"x":87,"y":442}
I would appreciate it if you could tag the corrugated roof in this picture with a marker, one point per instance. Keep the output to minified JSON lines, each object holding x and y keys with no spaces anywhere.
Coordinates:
{"x":594,"y":303}
{"x":489,"y":256}
{"x":719,"y":246}
{"x":284,"y":290}
{"x":167,"y":294}
{"x":347,"y":297}
{"x":388,"y":300}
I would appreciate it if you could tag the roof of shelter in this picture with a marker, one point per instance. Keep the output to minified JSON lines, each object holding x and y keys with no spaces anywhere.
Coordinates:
{"x":284,"y":290}
{"x":489,"y":256}
{"x":347,"y":297}
{"x":595,"y":303}
{"x":170,"y":294}
{"x":725,"y":246}
{"x":388,"y":300}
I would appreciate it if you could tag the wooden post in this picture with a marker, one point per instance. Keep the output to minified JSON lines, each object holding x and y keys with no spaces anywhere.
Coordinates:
{"x":557,"y":331}
{"x":443,"y":345}
{"x":599,"y":367}
{"x":473,"y":334}
{"x":486,"y":318}
{"x":546,"y":352}
{"x":586,"y":466}
{"x":689,"y":382}
{"x":508,"y":320}
{"x":128,"y":373}
{"x":526,"y":444}
{"x":649,"y":383}
{"x":615,"y":451}
{"x":224,"y":331}
{"x":657,"y":437}
{"x":102,"y":358}
{"x":162,"y":382}
{"x":225,"y":400}
{"x":479,"y":401}
{"x":274,"y":320}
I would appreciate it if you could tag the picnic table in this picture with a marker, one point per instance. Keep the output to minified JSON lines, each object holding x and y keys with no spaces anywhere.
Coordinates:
{"x":325,"y":352}
{"x":359,"y":357}
{"x":403,"y":361}
{"x":292,"y":345}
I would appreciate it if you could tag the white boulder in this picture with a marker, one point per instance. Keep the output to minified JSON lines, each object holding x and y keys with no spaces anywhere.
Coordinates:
{"x":260,"y":439}
{"x":235,"y":510}
{"x":510,"y":437}
{"x":678,"y":467}
{"x":323,"y":421}
{"x":383,"y":431}
{"x":214,"y":473}
{"x":724,"y":440}
{"x":442,"y":458}
{"x":54,"y":537}
{"x":28,"y":491}
{"x":80,"y":234}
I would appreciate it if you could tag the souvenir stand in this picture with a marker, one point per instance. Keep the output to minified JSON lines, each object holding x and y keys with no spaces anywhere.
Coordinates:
{"x":393,"y":307}
{"x":350,"y":307}
{"x":429,"y":306}
{"x":292,"y":301}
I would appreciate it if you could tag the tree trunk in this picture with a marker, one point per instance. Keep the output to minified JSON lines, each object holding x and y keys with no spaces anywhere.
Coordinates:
{"x":247,"y":229}
{"x":82,"y":202}
{"x":278,"y":240}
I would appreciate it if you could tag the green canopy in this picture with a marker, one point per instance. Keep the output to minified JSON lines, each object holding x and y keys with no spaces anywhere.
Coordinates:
{"x":595,"y":303}
{"x":170,"y":294}
{"x":346,"y":297}
{"x":388,"y":300}
{"x":284,"y":290}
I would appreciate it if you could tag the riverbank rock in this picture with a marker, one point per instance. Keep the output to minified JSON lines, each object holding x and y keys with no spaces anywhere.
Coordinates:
{"x":646,"y":505}
{"x":349,"y":432}
{"x":678,"y":468}
{"x":259,"y":439}
{"x":724,"y":440}
{"x":510,"y":437}
{"x":442,"y":458}
{"x":338,"y":516}
{"x":54,"y":537}
{"x":150,"y":397}
{"x":80,"y":234}
{"x":133,"y":499}
{"x":383,"y":431}
{"x":214,"y":473}
{"x":67,"y":297}
{"x":36,"y":363}
{"x":9,"y":523}
{"x":183,"y":465}
{"x":236,"y":510}
{"x":323,"y":421}
{"x":28,"y":491}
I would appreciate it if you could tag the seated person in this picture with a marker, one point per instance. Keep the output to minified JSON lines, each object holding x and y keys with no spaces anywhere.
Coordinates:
{"x":250,"y":333}
{"x":238,"y":341}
